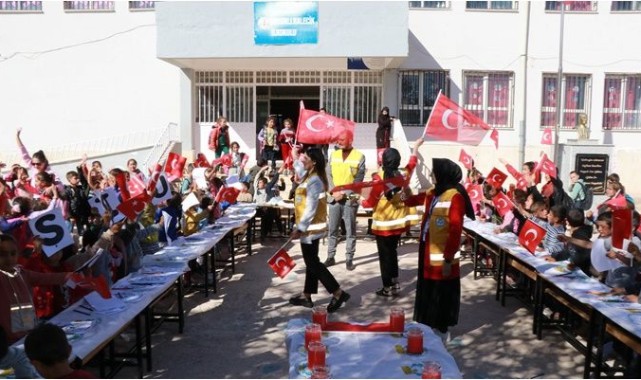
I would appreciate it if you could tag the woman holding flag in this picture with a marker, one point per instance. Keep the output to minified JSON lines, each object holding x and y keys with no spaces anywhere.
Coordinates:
{"x":311,"y":224}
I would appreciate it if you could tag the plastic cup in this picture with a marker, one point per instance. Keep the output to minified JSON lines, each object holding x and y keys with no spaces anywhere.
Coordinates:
{"x":320,"y":372}
{"x":319,"y":316}
{"x":431,"y":370}
{"x":397,"y":319}
{"x":312,"y":334}
{"x":415,"y":341}
{"x":316,"y":355}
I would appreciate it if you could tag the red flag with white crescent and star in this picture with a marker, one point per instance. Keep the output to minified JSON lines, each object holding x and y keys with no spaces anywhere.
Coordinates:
{"x":281,"y":263}
{"x":546,"y":138}
{"x":496,"y":178}
{"x":502,"y":203}
{"x":227,"y":194}
{"x":134,"y":206}
{"x":320,"y":128}
{"x":466,"y":159}
{"x":531,"y":235}
{"x":450,"y":122}
{"x":474,"y":191}
{"x":545,"y":165}
{"x":174,"y":166}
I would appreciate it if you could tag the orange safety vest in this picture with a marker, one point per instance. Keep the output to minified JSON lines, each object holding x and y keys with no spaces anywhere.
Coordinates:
{"x":389,"y":216}
{"x":438,"y":236}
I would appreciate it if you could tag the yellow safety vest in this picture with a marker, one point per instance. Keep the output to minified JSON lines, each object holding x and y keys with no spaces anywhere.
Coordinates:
{"x":439,"y":234}
{"x":389,"y":216}
{"x":319,"y":223}
{"x":343,"y":172}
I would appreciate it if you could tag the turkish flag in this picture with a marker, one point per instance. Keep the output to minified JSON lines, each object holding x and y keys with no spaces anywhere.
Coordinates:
{"x":132,"y":207}
{"x":466,"y":159}
{"x":531,"y":235}
{"x":99,"y":284}
{"x":224,"y":160}
{"x":521,"y":183}
{"x":450,"y":122}
{"x":474,"y":191}
{"x":371,"y":190}
{"x":153,"y":179}
{"x":320,"y":128}
{"x":227,"y":194}
{"x":495,"y":137}
{"x":545,"y":165}
{"x":502,"y":203}
{"x":546,"y":138}
{"x":621,"y":226}
{"x":281,"y":263}
{"x":496,"y":178}
{"x":174,"y":166}
{"x":135,"y":186}
{"x":201,"y":161}
{"x":121,"y":181}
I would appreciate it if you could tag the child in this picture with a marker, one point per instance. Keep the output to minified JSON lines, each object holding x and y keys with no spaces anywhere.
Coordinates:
{"x":578,"y":245}
{"x":286,"y":139}
{"x":555,"y":227}
{"x":48,"y":349}
{"x":244,"y":196}
{"x":12,"y":357}
{"x":77,"y":194}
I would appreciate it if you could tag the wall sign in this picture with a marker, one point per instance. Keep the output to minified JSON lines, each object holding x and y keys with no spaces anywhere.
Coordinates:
{"x":593,"y":170}
{"x":285,"y":22}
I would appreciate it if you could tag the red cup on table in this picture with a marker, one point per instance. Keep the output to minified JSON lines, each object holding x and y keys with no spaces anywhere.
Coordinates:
{"x":316,"y":355}
{"x":312,"y":334}
{"x":397,"y":319}
{"x":320,"y":372}
{"x":431,"y":370}
{"x":319,"y":316}
{"x":414,"y":341}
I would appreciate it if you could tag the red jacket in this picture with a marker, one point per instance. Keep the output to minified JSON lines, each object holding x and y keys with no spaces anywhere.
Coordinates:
{"x":215,"y":134}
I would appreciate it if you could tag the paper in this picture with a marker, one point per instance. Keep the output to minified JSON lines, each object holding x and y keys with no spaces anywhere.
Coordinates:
{"x":190,"y":202}
{"x":89,"y":263}
{"x":198,"y":175}
{"x":598,"y":257}
{"x":104,"y":305}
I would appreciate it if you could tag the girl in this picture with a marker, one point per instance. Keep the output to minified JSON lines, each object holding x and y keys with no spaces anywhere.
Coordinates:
{"x":267,"y":138}
{"x":219,"y":137}
{"x":383,"y":133}
{"x":235,"y":162}
{"x":132,"y":167}
{"x":37,"y":163}
{"x":286,"y":139}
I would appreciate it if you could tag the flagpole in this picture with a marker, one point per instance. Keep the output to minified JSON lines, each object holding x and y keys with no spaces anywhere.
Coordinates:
{"x":559,"y":87}
{"x":432,"y":112}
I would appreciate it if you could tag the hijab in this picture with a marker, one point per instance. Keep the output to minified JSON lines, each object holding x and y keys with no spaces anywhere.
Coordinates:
{"x":391,"y":160}
{"x":383,"y":119}
{"x":448,"y":175}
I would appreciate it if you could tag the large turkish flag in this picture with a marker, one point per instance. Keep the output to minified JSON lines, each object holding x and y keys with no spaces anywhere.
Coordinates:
{"x":450,"y":122}
{"x":320,"y":128}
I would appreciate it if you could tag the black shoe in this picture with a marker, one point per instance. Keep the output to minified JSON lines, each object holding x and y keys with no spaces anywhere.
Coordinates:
{"x":350,"y":265}
{"x":301,"y":300}
{"x":330,"y":262}
{"x":384,"y":292}
{"x":336,"y":303}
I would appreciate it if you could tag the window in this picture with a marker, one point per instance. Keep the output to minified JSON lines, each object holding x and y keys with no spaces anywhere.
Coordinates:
{"x":575,"y":100}
{"x":626,"y":6}
{"x":240,"y":104}
{"x":573,"y":6}
{"x":622,"y":102}
{"x":488,"y":95}
{"x":494,"y":5}
{"x":429,"y":4}
{"x":20,"y":6}
{"x":142,"y":5}
{"x":419,"y":90}
{"x":337,"y":100}
{"x":89,"y":5}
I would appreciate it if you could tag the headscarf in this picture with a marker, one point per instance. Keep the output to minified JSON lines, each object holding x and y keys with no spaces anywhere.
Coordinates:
{"x":383,"y":119}
{"x":448,"y":175}
{"x":391,"y":160}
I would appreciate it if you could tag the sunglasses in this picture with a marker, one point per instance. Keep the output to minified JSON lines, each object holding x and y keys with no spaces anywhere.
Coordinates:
{"x":37,"y":163}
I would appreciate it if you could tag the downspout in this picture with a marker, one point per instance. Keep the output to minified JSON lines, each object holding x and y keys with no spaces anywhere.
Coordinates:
{"x":525,"y":80}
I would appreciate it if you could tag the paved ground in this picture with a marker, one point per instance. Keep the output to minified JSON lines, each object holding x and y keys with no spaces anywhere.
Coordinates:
{"x":238,"y":332}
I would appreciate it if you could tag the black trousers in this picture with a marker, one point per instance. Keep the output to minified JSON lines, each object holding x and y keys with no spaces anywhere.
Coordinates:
{"x":316,"y":271}
{"x":388,"y":257}
{"x":268,"y":216}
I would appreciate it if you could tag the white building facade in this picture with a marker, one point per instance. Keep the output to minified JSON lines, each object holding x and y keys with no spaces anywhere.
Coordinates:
{"x":76,"y":71}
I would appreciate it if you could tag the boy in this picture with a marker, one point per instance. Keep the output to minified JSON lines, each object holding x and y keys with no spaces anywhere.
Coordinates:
{"x":48,"y":349}
{"x":77,"y":193}
{"x":578,"y":246}
{"x":12,"y":357}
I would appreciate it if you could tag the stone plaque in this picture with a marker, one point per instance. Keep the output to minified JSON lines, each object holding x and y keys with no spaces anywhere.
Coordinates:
{"x":593,"y":169}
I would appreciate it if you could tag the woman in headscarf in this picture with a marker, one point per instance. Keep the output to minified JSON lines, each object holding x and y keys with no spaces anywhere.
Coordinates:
{"x":438,"y":287}
{"x":389,"y":218}
{"x":383,"y":133}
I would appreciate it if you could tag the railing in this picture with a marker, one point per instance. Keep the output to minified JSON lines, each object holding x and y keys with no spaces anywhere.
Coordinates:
{"x":107,"y":145}
{"x":162,"y":146}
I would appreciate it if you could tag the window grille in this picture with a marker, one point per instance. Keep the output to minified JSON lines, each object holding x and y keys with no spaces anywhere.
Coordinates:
{"x":337,"y":100}
{"x":368,"y":77}
{"x":622,"y":102}
{"x":626,"y":6}
{"x":367,"y":103}
{"x":429,"y":4}
{"x":492,"y":5}
{"x":240,"y":104}
{"x":239,"y":77}
{"x":575,"y":90}
{"x":204,"y":77}
{"x":310,"y":77}
{"x":89,"y":5}
{"x":572,"y":6}
{"x":210,"y":103}
{"x":270,"y":77}
{"x":488,"y":95}
{"x":336,"y":77}
{"x":142,"y":5}
{"x":418,"y":91}
{"x":20,"y":6}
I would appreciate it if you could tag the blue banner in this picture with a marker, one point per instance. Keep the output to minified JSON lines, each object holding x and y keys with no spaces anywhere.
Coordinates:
{"x":285,"y":23}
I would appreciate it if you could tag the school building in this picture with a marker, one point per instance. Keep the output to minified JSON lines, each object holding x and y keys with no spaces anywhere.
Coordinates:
{"x":110,"y":76}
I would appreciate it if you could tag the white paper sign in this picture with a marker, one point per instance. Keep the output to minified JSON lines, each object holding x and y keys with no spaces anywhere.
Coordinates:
{"x":598,"y":257}
{"x":163,"y":190}
{"x":105,"y":199}
{"x":198,"y":176}
{"x":50,"y":227}
{"x":190,"y":202}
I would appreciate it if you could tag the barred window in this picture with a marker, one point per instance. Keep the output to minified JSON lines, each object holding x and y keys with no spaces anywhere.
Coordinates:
{"x":429,"y":4}
{"x":89,"y":5}
{"x":20,"y":6}
{"x":489,"y":95}
{"x":240,"y":104}
{"x":626,"y":6}
{"x":337,"y":100}
{"x":142,"y":5}
{"x":572,"y":6}
{"x":367,"y":103}
{"x":622,"y":102}
{"x":575,"y":90}
{"x":419,"y":90}
{"x":492,"y":5}
{"x":210,"y":103}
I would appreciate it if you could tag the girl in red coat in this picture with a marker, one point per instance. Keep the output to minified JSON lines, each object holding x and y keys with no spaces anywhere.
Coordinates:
{"x":438,"y":287}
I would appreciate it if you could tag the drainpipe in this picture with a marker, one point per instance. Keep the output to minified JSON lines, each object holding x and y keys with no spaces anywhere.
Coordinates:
{"x":525,"y":80}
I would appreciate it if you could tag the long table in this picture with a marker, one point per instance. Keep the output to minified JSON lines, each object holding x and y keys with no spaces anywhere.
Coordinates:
{"x":368,"y":355}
